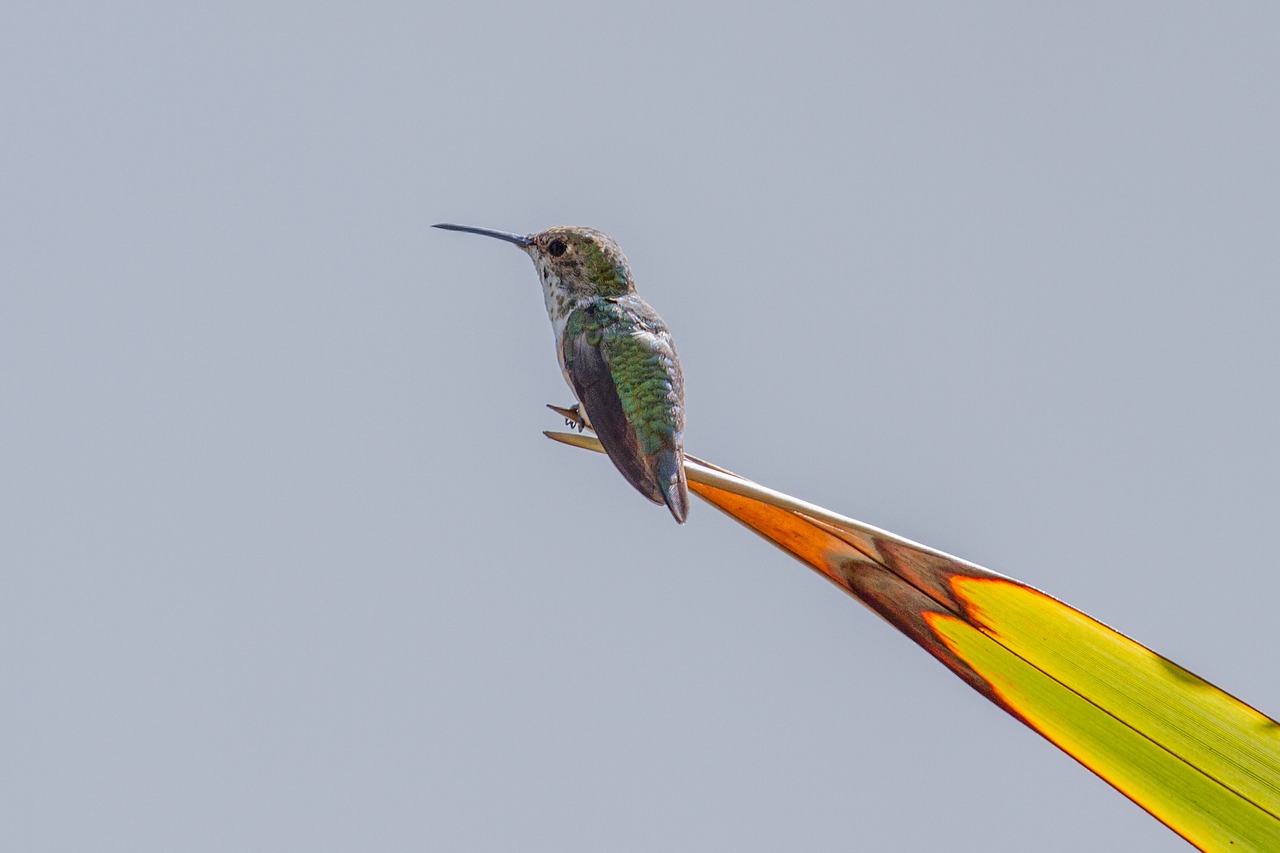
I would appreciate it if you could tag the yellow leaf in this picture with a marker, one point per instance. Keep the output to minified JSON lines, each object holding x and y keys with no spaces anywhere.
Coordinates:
{"x":1198,"y":759}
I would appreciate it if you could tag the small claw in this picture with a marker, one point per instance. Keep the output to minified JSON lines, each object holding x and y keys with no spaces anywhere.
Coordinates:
{"x":573,"y":416}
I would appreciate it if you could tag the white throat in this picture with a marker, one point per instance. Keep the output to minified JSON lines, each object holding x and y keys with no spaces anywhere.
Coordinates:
{"x":558,"y":301}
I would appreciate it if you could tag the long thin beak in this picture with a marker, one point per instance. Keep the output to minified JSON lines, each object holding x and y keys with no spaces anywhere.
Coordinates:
{"x":518,"y":239}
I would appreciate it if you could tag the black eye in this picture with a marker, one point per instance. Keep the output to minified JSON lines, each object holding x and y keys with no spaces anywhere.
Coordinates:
{"x":556,"y":248}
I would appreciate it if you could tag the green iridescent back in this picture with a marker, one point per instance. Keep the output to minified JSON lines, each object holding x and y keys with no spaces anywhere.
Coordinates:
{"x":643,"y":366}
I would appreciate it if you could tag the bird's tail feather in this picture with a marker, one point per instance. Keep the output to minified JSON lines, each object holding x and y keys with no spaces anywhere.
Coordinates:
{"x":675,"y":491}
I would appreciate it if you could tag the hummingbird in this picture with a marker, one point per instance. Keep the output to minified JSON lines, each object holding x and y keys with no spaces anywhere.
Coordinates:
{"x":615,"y":353}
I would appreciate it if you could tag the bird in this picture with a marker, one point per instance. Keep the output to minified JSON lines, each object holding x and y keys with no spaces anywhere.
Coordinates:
{"x":615,"y":353}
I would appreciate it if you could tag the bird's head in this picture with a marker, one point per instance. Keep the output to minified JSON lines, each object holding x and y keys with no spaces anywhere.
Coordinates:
{"x":573,"y":262}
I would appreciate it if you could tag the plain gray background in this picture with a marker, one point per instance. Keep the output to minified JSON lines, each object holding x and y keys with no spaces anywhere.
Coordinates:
{"x":286,"y":564}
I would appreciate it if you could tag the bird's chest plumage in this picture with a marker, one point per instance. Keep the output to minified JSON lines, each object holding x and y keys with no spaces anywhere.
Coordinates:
{"x":559,"y":306}
{"x":564,"y":368}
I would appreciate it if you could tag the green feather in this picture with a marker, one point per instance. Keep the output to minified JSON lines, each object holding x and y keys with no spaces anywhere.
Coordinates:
{"x":642,"y":371}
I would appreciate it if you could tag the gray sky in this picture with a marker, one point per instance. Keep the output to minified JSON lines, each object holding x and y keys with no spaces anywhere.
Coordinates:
{"x":287,"y":565}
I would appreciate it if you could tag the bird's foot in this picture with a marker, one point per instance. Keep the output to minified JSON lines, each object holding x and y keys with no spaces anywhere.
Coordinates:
{"x":573,"y":416}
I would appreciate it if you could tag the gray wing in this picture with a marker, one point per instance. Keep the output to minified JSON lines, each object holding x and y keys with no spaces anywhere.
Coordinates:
{"x":588,"y":370}
{"x":623,"y":367}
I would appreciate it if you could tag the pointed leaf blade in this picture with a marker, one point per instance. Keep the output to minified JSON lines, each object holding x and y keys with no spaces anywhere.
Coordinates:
{"x":1199,"y":760}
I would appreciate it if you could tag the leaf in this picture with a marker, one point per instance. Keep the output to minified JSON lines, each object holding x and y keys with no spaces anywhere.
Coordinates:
{"x":1198,"y":759}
